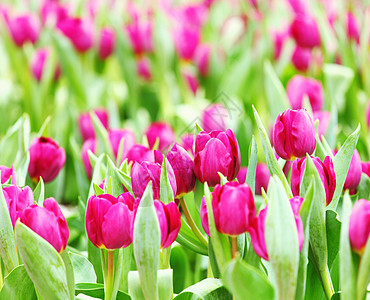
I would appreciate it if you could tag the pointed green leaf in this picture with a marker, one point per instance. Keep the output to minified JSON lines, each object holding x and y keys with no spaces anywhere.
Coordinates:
{"x":207,"y":289}
{"x":39,"y":193}
{"x":252,"y":165}
{"x":112,"y":172}
{"x":166,"y":192}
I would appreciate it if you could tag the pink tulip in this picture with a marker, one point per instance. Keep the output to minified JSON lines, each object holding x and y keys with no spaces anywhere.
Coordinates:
{"x":6,"y":173}
{"x":215,"y":117}
{"x":305,"y":31}
{"x":324,"y":121}
{"x":302,"y":58}
{"x":86,"y":126}
{"x":23,"y":29}
{"x":354,"y":172}
{"x":359,"y":225}
{"x":79,"y":32}
{"x":106,"y":43}
{"x":115,"y":137}
{"x":365,"y":168}
{"x":186,"y":41}
{"x":262,"y":177}
{"x":38,"y":63}
{"x":144,"y":68}
{"x":139,"y":153}
{"x":279,"y":39}
{"x":54,"y":11}
{"x":187,"y":142}
{"x":161,"y":131}
{"x":353,"y":31}
{"x":202,"y":59}
{"x":191,"y":80}
{"x":140,"y":35}
{"x":204,"y":216}
{"x":89,"y":144}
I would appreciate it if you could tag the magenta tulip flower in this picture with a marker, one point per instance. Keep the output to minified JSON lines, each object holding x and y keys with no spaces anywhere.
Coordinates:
{"x":293,"y":134}
{"x":139,"y":153}
{"x":48,"y":222}
{"x":186,"y":41}
{"x":204,"y":216}
{"x":38,"y":63}
{"x":353,"y":31}
{"x":89,"y":144}
{"x":359,"y":225}
{"x":161,"y":131}
{"x":302,"y":58}
{"x":354,"y":172}
{"x":298,"y":87}
{"x":140,"y":35}
{"x":324,"y":121}
{"x":46,"y":159}
{"x":85,"y":123}
{"x":183,"y":168}
{"x":17,"y":200}
{"x":365,"y":167}
{"x":187,"y":142}
{"x":191,"y":80}
{"x":202,"y":59}
{"x":6,"y":174}
{"x":54,"y":11}
{"x":215,"y":117}
{"x":107,"y":43}
{"x":115,"y":137}
{"x":326,"y":173}
{"x":109,"y":220}
{"x":23,"y":29}
{"x":279,"y":39}
{"x":143,"y":68}
{"x":262,"y":177}
{"x":304,"y":31}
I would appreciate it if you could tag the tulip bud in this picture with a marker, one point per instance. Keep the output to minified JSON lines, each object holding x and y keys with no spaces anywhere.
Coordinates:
{"x":301,"y":58}
{"x":48,"y":222}
{"x":187,"y":142}
{"x":109,"y":220}
{"x":324,"y":121}
{"x":326,"y":173}
{"x":202,"y":58}
{"x":17,"y":200}
{"x":89,"y":144}
{"x":183,"y":168}
{"x":204,"y":216}
{"x":257,"y":228}
{"x":304,"y":31}
{"x":106,"y":43}
{"x":354,"y":172}
{"x":52,"y":10}
{"x":169,"y":218}
{"x":215,"y":117}
{"x":140,"y":35}
{"x":38,"y":63}
{"x":215,"y":152}
{"x":368,"y":115}
{"x":186,"y":41}
{"x":262,"y":177}
{"x":279,"y":39}
{"x":161,"y":131}
{"x":299,"y":86}
{"x":144,"y":69}
{"x":352,"y":28}
{"x":191,"y":80}
{"x":86,"y":126}
{"x":115,"y":137}
{"x":6,"y":173}
{"x":46,"y":159}
{"x":79,"y":32}
{"x":293,"y":134}
{"x":359,"y":225}
{"x":23,"y":29}
{"x":139,"y":153}
{"x":365,"y":167}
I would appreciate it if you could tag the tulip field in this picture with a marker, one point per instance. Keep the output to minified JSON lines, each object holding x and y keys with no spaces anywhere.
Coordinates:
{"x":185,"y":149}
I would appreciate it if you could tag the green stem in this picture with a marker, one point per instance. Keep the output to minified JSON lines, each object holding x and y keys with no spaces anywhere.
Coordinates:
{"x":234,"y":246}
{"x":109,"y":279}
{"x":165,"y":258}
{"x":1,"y":276}
{"x":191,"y":222}
{"x":327,"y":283}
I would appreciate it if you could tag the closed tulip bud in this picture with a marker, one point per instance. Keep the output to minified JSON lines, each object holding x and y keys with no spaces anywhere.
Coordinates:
{"x":359,"y":225}
{"x":215,"y":152}
{"x":89,"y":144}
{"x":115,"y":137}
{"x":38,"y":63}
{"x":6,"y":174}
{"x":161,"y":131}
{"x":139,"y":153}
{"x":326,"y":173}
{"x":279,"y":39}
{"x":17,"y":200}
{"x":187,"y":142}
{"x":48,"y":222}
{"x":23,"y":29}
{"x":144,"y":69}
{"x":191,"y":80}
{"x":106,"y":43}
{"x":262,"y":177}
{"x":46,"y":159}
{"x":54,"y":11}
{"x":293,"y":134}
{"x":354,"y":172}
{"x":324,"y":121}
{"x":109,"y":220}
{"x":298,"y":87}
{"x":140,"y":35}
{"x":186,"y":41}
{"x":202,"y":59}
{"x":86,"y":126}
{"x":79,"y":32}
{"x":365,"y":167}
{"x":304,"y":31}
{"x":301,"y":58}
{"x":257,"y":228}
{"x":352,"y":28}
{"x":204,"y":216}
{"x":215,"y":117}
{"x":183,"y":168}
{"x":169,"y":218}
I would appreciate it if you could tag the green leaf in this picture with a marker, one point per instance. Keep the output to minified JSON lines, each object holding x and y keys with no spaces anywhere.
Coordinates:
{"x":97,"y":176}
{"x":43,"y":264}
{"x":69,"y":273}
{"x":198,"y":193}
{"x":126,"y":257}
{"x":112,"y":172}
{"x":179,"y":262}
{"x":363,"y":188}
{"x":166,"y":192}
{"x":187,"y":238}
{"x":125,"y":180}
{"x":223,"y":179}
{"x":363,"y":278}
{"x":39,"y":193}
{"x":83,"y":269}
{"x":96,"y":290}
{"x":102,"y":137}
{"x":252,"y":165}
{"x":237,"y":273}
{"x":207,"y":289}
{"x":18,"y":286}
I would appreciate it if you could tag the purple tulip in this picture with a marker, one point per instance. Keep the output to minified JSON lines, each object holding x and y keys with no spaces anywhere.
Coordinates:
{"x":324,"y":121}
{"x":215,"y":152}
{"x":183,"y":168}
{"x":262,"y":177}
{"x":144,"y":69}
{"x":186,"y":41}
{"x":86,"y":126}
{"x":293,"y":134}
{"x":301,"y":58}
{"x":215,"y":117}
{"x":17,"y":200}
{"x":299,"y":86}
{"x":23,"y":29}
{"x":115,"y":137}
{"x":353,"y":32}
{"x":79,"y":32}
{"x":202,"y":59}
{"x":204,"y":216}
{"x":354,"y":172}
{"x":109,"y":220}
{"x":139,"y":153}
{"x":304,"y":31}
{"x":106,"y":43}
{"x":326,"y":173}
{"x":89,"y":144}
{"x":359,"y":225}
{"x":161,"y":131}
{"x":6,"y":173}
{"x":46,"y":159}
{"x":48,"y":222}
{"x":187,"y":142}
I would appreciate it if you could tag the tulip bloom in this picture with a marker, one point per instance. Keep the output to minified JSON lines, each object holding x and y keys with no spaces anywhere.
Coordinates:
{"x":257,"y":228}
{"x":279,"y":38}
{"x":46,"y":159}
{"x":48,"y":222}
{"x":365,"y":167}
{"x":293,"y":134}
{"x":326,"y":173}
{"x":301,"y":58}
{"x":202,"y":59}
{"x":359,"y":225}
{"x":262,"y":177}
{"x":215,"y":117}
{"x":191,"y":80}
{"x":204,"y":216}
{"x":324,"y":121}
{"x":6,"y":173}
{"x":304,"y":31}
{"x":38,"y":63}
{"x":186,"y":41}
{"x":109,"y":220}
{"x":187,"y":142}
{"x":215,"y":152}
{"x":89,"y":144}
{"x":140,"y":35}
{"x":161,"y":131}
{"x":140,"y":153}
{"x":17,"y":200}
{"x":54,"y":11}
{"x":183,"y":168}
{"x":115,"y":137}
{"x":144,"y":69}
{"x":23,"y":29}
{"x":354,"y":172}
{"x":86,"y":126}
{"x":353,"y":32}
{"x":106,"y":43}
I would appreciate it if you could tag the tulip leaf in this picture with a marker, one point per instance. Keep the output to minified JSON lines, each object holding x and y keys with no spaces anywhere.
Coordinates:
{"x":96,"y":290}
{"x":223,"y":179}
{"x":341,"y":164}
{"x":43,"y":264}
{"x":271,"y":161}
{"x":9,"y":142}
{"x":39,"y":192}
{"x":363,"y":188}
{"x":82,"y":268}
{"x":97,"y":174}
{"x":198,"y":193}
{"x":282,"y":240}
{"x":363,"y":278}
{"x":125,"y":180}
{"x":181,"y":268}
{"x":102,"y":137}
{"x":207,"y":289}
{"x":166,"y":192}
{"x":126,"y":257}
{"x":97,"y":189}
{"x":7,"y":247}
{"x":250,"y":179}
{"x":69,"y":273}
{"x":112,"y":173}
{"x":187,"y":238}
{"x":147,"y":241}
{"x":18,"y":286}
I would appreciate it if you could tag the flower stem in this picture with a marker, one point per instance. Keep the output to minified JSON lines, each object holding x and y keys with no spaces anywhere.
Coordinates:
{"x":234,"y":246}
{"x":1,"y":276}
{"x":109,"y":279}
{"x":191,"y":223}
{"x":327,"y":283}
{"x":165,"y":258}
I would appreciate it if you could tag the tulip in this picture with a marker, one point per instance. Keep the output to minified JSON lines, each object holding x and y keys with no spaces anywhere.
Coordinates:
{"x":89,"y":144}
{"x":365,"y":168}
{"x":54,"y":11}
{"x":86,"y":126}
{"x":279,"y":39}
{"x":354,"y":172}
{"x":359,"y":225}
{"x":23,"y":29}
{"x":187,"y":142}
{"x":352,"y":28}
{"x":144,"y":69}
{"x":183,"y":168}
{"x":368,"y":115}
{"x":106,"y":43}
{"x":115,"y":137}
{"x":242,"y":175}
{"x":48,"y":222}
{"x":257,"y":228}
{"x":79,"y":32}
{"x":301,"y":58}
{"x":215,"y":117}
{"x":139,"y":153}
{"x":46,"y":159}
{"x":202,"y":58}
{"x":109,"y":220}
{"x":204,"y":216}
{"x":326,"y":173}
{"x":38,"y":63}
{"x":215,"y":152}
{"x":161,"y":131}
{"x":262,"y":177}
{"x":293,"y":134}
{"x":191,"y":80}
{"x":299,"y":86}
{"x":140,"y":35}
{"x":186,"y":41}
{"x":17,"y":200}
{"x":6,"y":173}
{"x":304,"y":31}
{"x":193,"y":15}
{"x":324,"y":121}
{"x":298,"y":6}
